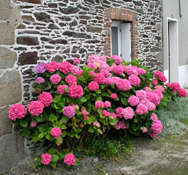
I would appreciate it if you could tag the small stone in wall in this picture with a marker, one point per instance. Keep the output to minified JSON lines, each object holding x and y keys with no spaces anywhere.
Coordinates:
{"x":42,"y":16}
{"x":28,"y":58}
{"x":25,"y":40}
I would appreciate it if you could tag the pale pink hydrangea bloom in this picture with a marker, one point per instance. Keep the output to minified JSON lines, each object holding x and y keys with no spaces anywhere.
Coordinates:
{"x":99,"y":104}
{"x":116,"y":58}
{"x":104,"y":72}
{"x":103,"y":58}
{"x":45,"y":98}
{"x":155,"y":82}
{"x":97,"y":64}
{"x":182,"y":93}
{"x":33,"y":124}
{"x":161,"y":88}
{"x":53,"y":66}
{"x":108,"y":81}
{"x":17,"y":111}
{"x":149,"y":95}
{"x":119,"y":112}
{"x":141,"y":94}
{"x":128,"y":113}
{"x":99,"y":78}
{"x":76,"y":61}
{"x":123,"y":85}
{"x":155,"y":128}
{"x":61,"y":89}
{"x":118,"y":70}
{"x":148,"y":89}
{"x":69,"y":111}
{"x":55,"y":79}
{"x":92,"y":59}
{"x":84,"y":112}
{"x":121,"y":125}
{"x":91,"y":65}
{"x":74,"y":69}
{"x":134,"y":80}
{"x":130,"y":70}
{"x":71,"y":80}
{"x":141,"y":109}
{"x":113,"y":115}
{"x":46,"y":158}
{"x":65,"y":67}
{"x":116,"y":80}
{"x":145,"y":102}
{"x":69,"y":159}
{"x":56,"y":132}
{"x":153,"y":117}
{"x":35,"y":108}
{"x":103,"y":65}
{"x":75,"y":91}
{"x":114,"y":95}
{"x":144,"y":129}
{"x":156,"y":99}
{"x":93,"y":86}
{"x":105,"y":113}
{"x":133,"y":100}
{"x":151,"y":106}
{"x":40,"y":80}
{"x":141,"y":71}
{"x":79,"y":73}
{"x":107,"y":104}
{"x":96,"y":124}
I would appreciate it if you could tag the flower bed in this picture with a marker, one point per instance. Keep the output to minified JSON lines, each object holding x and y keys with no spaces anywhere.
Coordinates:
{"x":107,"y":94}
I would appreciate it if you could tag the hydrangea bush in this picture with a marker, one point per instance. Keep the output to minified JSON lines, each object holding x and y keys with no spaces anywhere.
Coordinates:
{"x":106,"y":94}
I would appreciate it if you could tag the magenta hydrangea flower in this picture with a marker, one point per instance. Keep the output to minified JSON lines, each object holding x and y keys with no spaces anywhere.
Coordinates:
{"x":56,"y":132}
{"x":141,"y":71}
{"x":156,"y":99}
{"x":153,"y":117}
{"x":65,"y":67}
{"x":118,"y":70}
{"x":105,"y":113}
{"x":141,"y":94}
{"x":61,"y":89}
{"x":182,"y":93}
{"x":123,"y":85}
{"x":69,"y":159}
{"x":104,"y":72}
{"x":71,"y":80}
{"x":40,"y":80}
{"x":134,"y":80}
{"x":40,"y":68}
{"x":99,"y":78}
{"x":35,"y":108}
{"x":116,"y":58}
{"x":45,"y":98}
{"x":141,"y":109}
{"x":108,"y":81}
{"x":128,"y":113}
{"x":46,"y":158}
{"x":55,"y":79}
{"x":159,"y":93}
{"x":107,"y":104}
{"x":114,"y":95}
{"x":151,"y":106}
{"x":162,"y":78}
{"x":175,"y":86}
{"x":155,"y":82}
{"x":84,"y":112}
{"x":76,"y":61}
{"x":113,"y":115}
{"x":158,"y":73}
{"x":133,"y":100}
{"x":74,"y":69}
{"x":130,"y":70}
{"x":93,"y":86}
{"x":167,"y":84}
{"x":155,"y":128}
{"x":75,"y":91}
{"x":17,"y":111}
{"x":79,"y":73}
{"x":121,"y":125}
{"x":53,"y":66}
{"x":33,"y":124}
{"x":69,"y":111}
{"x":91,"y":65}
{"x":119,"y":112}
{"x":99,"y":104}
{"x":116,"y":80}
{"x":96,"y":124}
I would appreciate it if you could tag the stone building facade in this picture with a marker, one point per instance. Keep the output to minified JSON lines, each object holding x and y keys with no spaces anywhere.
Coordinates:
{"x":32,"y":31}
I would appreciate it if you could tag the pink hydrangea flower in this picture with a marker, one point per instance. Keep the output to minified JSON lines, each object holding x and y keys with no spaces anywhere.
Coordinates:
{"x":121,"y":125}
{"x":128,"y":113}
{"x":35,"y":108}
{"x":33,"y":124}
{"x":76,"y":61}
{"x":133,"y":100}
{"x":116,"y":80}
{"x":158,"y":73}
{"x":156,"y":99}
{"x":99,"y":104}
{"x":155,"y":128}
{"x":96,"y":124}
{"x":56,"y":132}
{"x":161,"y":88}
{"x":105,"y":113}
{"x":116,"y":58}
{"x":17,"y":111}
{"x":151,"y":106}
{"x":182,"y":93}
{"x":75,"y":91}
{"x":69,"y":111}
{"x":65,"y":67}
{"x":119,"y":112}
{"x":99,"y":78}
{"x":71,"y":80}
{"x":145,"y":102}
{"x":69,"y":159}
{"x":55,"y":79}
{"x":108,"y":81}
{"x":74,"y":69}
{"x":155,"y":82}
{"x":159,"y":93}
{"x":40,"y":80}
{"x":113,"y":115}
{"x":118,"y":70}
{"x":93,"y":73}
{"x":144,"y":129}
{"x":123,"y":85}
{"x":91,"y":65}
{"x":148,"y":89}
{"x":46,"y":158}
{"x":61,"y":89}
{"x":79,"y":73}
{"x":92,"y":59}
{"x":93,"y":86}
{"x":114,"y":95}
{"x":162,"y":78}
{"x":104,"y":72}
{"x":141,"y":94}
{"x":149,"y":95}
{"x":103,"y":58}
{"x":107,"y":104}
{"x":167,"y":84}
{"x":141,"y":109}
{"x":130,"y":70}
{"x":175,"y":86}
{"x":141,"y":71}
{"x":40,"y":68}
{"x":84,"y":112}
{"x":153,"y":117}
{"x":45,"y":98}
{"x":53,"y":66}
{"x":134,"y":80}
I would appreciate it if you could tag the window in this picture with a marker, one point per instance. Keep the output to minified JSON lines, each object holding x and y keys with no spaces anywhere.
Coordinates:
{"x":121,"y":40}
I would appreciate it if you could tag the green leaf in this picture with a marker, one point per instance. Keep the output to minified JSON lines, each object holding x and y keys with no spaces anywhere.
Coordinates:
{"x":25,"y":132}
{"x":59,"y":140}
{"x":64,"y":119}
{"x":86,"y":88}
{"x":106,"y":95}
{"x":23,"y":123}
{"x":55,"y":158}
{"x":49,"y":137}
{"x":124,"y":101}
{"x":81,"y":78}
{"x":77,"y":136}
{"x":98,"y":91}
{"x":99,"y":131}
{"x":62,"y":154}
{"x":51,"y":151}
{"x":66,"y":89}
{"x":82,"y":100}
{"x":64,"y":133}
{"x":91,"y":129}
{"x":78,"y":130}
{"x":113,"y":121}
{"x":53,"y":164}
{"x":39,"y":118}
{"x":63,"y":127}
{"x":91,"y":119}
{"x":77,"y":162}
{"x":104,"y":120}
{"x":41,"y":135}
{"x":49,"y":84}
{"x":52,"y":117}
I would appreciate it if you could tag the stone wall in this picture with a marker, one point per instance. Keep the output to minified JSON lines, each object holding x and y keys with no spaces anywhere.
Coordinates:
{"x":32,"y":31}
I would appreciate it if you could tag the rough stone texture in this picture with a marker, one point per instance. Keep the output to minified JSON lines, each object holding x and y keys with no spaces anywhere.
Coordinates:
{"x":5,"y":9}
{"x":7,"y":58}
{"x":12,"y":150}
{"x":5,"y":122}
{"x":25,"y":40}
{"x":31,"y":1}
{"x":28,"y":58}
{"x":6,"y":33}
{"x":10,"y":83}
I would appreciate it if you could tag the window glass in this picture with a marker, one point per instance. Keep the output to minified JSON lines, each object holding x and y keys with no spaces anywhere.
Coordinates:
{"x":114,"y":34}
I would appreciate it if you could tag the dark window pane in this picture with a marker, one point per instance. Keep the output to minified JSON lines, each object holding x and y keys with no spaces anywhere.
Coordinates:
{"x":114,"y":37}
